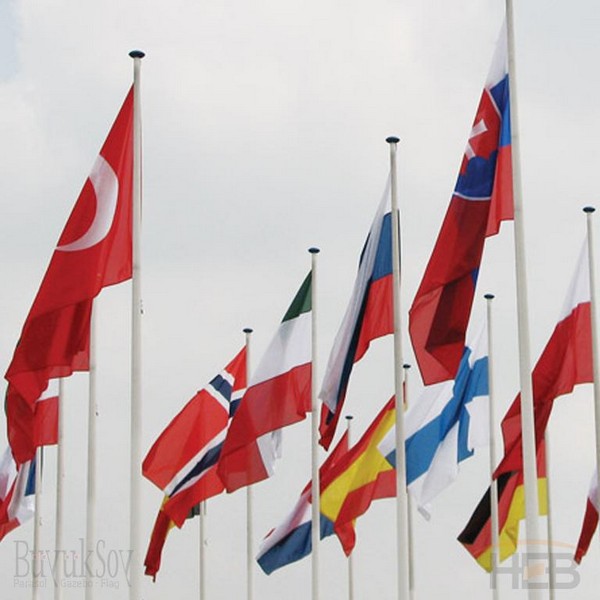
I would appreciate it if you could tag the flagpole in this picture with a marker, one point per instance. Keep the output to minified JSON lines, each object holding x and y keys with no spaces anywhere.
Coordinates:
{"x":527,"y":414}
{"x":411,"y":550}
{"x":90,"y":534}
{"x":401,"y":496}
{"x":135,"y":512}
{"x":493,"y":458}
{"x":60,"y":495}
{"x":249,"y":528}
{"x":350,"y":558}
{"x":589,"y":211}
{"x":551,"y":569}
{"x":37,"y":524}
{"x":201,"y":515}
{"x":314,"y":446}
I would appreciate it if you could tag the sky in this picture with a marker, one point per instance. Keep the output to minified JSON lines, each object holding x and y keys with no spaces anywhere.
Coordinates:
{"x":264,"y":127}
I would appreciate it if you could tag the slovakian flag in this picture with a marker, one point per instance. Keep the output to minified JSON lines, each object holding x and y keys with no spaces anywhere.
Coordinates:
{"x":362,"y":475}
{"x":291,"y":540}
{"x":93,"y":251}
{"x":445,"y":425}
{"x":369,"y":315}
{"x":482,"y":198}
{"x":590,"y":520}
{"x":565,"y":362}
{"x":279,"y":394}
{"x":17,"y":492}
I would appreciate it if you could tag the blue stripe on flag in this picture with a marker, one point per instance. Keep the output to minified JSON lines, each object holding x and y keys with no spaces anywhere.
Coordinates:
{"x":206,"y":462}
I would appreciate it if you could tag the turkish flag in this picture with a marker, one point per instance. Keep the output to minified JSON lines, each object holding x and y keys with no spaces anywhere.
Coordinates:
{"x":93,"y":251}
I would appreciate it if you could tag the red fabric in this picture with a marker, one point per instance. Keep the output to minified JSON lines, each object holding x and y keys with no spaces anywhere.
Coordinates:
{"x":161,"y":528}
{"x":54,"y":341}
{"x":590,"y":522}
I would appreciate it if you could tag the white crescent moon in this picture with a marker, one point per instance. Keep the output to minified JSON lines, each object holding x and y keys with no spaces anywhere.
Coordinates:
{"x":106,"y":186}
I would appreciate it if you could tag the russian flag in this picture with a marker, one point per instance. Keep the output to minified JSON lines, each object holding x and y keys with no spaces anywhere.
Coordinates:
{"x":482,"y":199}
{"x":369,"y":315}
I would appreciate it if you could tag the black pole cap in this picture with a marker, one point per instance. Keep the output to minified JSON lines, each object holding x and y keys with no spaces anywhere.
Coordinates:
{"x":589,"y":209}
{"x":349,"y":417}
{"x":314,"y":250}
{"x":392,"y":139}
{"x":137,"y":54}
{"x":489,"y":296}
{"x":406,"y":366}
{"x":247,"y":330}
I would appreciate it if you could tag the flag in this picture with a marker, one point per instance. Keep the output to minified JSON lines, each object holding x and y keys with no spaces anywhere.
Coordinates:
{"x":279,"y":394}
{"x":369,"y":315}
{"x":482,"y":198}
{"x":291,"y":540}
{"x":182,"y":462}
{"x":445,"y":424}
{"x":476,"y":537}
{"x":362,"y":475}
{"x":17,"y":492}
{"x":565,"y":362}
{"x":590,"y":520}
{"x":93,"y":251}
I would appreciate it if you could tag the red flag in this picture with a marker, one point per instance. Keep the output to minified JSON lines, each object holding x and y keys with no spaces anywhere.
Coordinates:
{"x":590,"y":520}
{"x":93,"y":251}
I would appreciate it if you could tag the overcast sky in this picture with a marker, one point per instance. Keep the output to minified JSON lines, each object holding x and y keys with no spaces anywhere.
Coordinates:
{"x":264,"y":127}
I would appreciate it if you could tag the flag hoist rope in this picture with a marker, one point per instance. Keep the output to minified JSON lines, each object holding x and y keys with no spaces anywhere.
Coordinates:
{"x":495,"y":557}
{"x":135,"y":513}
{"x":350,"y":558}
{"x":409,"y":508}
{"x":314,"y":446}
{"x":202,"y":557}
{"x":249,"y":528}
{"x":60,"y":497}
{"x":401,"y":496}
{"x":37,"y":525}
{"x":589,"y":211}
{"x":527,"y":415}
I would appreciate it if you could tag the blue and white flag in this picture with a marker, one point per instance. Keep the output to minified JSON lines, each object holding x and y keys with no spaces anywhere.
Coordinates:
{"x":446,"y":424}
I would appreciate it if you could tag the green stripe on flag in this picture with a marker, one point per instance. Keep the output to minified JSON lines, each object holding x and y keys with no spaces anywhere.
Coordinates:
{"x":302,"y":302}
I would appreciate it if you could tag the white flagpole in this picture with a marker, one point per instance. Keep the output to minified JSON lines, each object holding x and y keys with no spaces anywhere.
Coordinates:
{"x":59,"y":553}
{"x":411,"y":549}
{"x":527,"y":414}
{"x":201,"y":515}
{"x":315,"y":488}
{"x":135,"y":512}
{"x":551,"y":569}
{"x":589,"y":210}
{"x":249,"y":528}
{"x":493,"y":458}
{"x":401,"y":496}
{"x":37,"y":524}
{"x":90,"y":533}
{"x":350,"y":558}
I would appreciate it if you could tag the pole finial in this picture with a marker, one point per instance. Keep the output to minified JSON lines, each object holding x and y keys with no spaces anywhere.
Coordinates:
{"x":247,"y":330}
{"x":137,"y":54}
{"x":589,"y":209}
{"x":349,"y":417}
{"x":489,"y":296}
{"x":392,"y":139}
{"x":406,"y":366}
{"x":314,"y":250}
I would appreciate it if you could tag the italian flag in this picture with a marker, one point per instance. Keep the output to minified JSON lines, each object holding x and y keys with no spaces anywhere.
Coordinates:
{"x":278,"y":395}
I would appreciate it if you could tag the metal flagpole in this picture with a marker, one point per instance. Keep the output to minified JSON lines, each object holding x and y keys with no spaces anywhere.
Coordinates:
{"x":401,"y":496}
{"x":249,"y":529}
{"x":201,"y":515}
{"x":136,"y":349}
{"x":493,"y":458}
{"x":551,"y":569}
{"x":350,"y":558}
{"x":589,"y":211}
{"x":90,"y":534}
{"x":315,"y":488}
{"x":37,"y":524}
{"x":527,"y":414}
{"x":411,"y":550}
{"x":60,"y":495}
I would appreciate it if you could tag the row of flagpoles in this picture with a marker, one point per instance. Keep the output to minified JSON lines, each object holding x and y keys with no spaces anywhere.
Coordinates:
{"x":113,"y":241}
